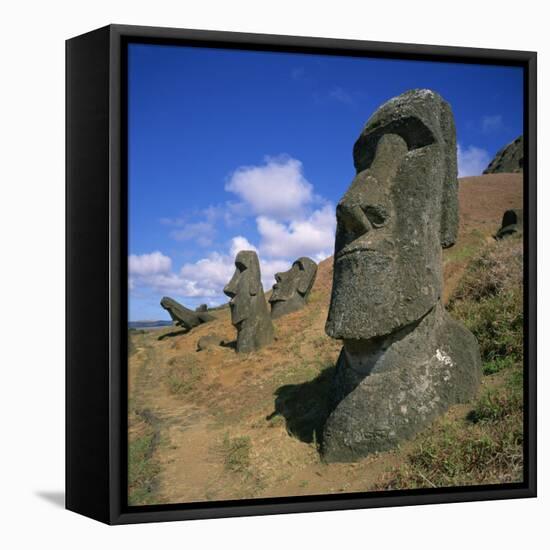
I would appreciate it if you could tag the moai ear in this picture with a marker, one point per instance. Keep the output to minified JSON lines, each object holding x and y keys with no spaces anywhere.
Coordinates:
{"x":254,"y":287}
{"x":307,"y":275}
{"x":449,"y":195}
{"x":254,"y":274}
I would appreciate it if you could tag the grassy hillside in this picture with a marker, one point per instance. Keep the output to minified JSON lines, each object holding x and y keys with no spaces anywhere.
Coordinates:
{"x":215,"y":425}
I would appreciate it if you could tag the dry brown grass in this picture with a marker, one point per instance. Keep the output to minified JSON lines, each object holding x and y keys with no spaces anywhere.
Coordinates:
{"x":243,"y":426}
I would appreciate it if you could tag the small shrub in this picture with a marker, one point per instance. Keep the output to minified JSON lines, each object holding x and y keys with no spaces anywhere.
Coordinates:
{"x":496,"y":268}
{"x":236,"y":452}
{"x":489,"y":301}
{"x":184,"y":374}
{"x":498,"y":364}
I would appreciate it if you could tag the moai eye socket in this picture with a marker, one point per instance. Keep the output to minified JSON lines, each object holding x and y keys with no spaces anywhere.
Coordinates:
{"x":240,"y":266}
{"x":377,"y":215}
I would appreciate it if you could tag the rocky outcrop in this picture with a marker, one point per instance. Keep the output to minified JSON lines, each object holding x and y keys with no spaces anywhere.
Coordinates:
{"x":508,"y":159}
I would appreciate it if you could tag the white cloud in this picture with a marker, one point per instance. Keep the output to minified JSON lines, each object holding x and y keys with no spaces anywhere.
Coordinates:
{"x":340,"y":95}
{"x":313,"y":236}
{"x":149,"y":264}
{"x":471,"y":160}
{"x":240,"y":243}
{"x":277,"y":189}
{"x":491,"y":123}
{"x":282,"y":202}
{"x":207,"y":276}
{"x":201,"y":232}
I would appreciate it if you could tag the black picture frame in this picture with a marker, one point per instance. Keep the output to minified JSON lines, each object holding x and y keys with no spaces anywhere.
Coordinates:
{"x":96,"y":273}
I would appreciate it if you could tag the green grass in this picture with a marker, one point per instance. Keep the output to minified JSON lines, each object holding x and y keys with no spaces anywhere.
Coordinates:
{"x":486,"y":445}
{"x":498,"y":364}
{"x":489,"y":301}
{"x":184,"y":374}
{"x":142,"y":469}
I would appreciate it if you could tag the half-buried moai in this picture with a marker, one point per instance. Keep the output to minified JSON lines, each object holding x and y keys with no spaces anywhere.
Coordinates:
{"x":291,"y":291}
{"x":512,"y":223}
{"x":404,"y":359}
{"x":183,"y":316}
{"x":249,"y":311}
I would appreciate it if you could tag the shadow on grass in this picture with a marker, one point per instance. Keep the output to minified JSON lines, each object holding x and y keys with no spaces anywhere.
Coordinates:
{"x":231,"y":345}
{"x":305,"y":407}
{"x":174,"y":333}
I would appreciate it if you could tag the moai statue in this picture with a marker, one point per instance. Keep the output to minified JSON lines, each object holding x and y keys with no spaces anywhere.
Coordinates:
{"x":404,"y":360}
{"x":291,"y":291}
{"x":249,"y":312}
{"x":183,"y":316}
{"x":512,"y":222}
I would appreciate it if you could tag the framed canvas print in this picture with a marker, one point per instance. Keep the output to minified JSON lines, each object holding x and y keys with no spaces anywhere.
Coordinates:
{"x":301,"y":274}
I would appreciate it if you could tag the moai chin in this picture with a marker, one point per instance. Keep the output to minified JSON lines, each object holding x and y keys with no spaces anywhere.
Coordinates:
{"x":404,"y":359}
{"x":249,"y":311}
{"x":291,"y":291}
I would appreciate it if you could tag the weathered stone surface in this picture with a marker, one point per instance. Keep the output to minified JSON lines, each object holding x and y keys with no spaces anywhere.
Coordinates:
{"x":512,"y":222}
{"x":202,"y":308}
{"x":183,"y":316}
{"x":508,"y":159}
{"x":249,"y":311}
{"x":292,"y":288}
{"x":385,"y":395}
{"x":209,"y":341}
{"x":404,"y":360}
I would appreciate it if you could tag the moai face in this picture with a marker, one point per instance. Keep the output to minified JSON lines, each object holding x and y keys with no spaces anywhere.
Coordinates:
{"x":292,"y":287}
{"x":394,"y":219}
{"x":244,"y":286}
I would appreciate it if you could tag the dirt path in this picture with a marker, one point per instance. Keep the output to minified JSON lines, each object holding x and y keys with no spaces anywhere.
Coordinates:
{"x":242,"y":426}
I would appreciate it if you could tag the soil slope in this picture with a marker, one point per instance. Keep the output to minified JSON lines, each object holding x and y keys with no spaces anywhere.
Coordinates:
{"x":221,"y":425}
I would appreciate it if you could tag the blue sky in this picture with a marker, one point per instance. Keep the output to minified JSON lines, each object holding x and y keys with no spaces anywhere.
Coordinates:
{"x":234,"y":149}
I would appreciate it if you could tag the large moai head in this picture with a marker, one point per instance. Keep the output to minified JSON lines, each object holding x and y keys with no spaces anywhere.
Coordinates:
{"x":249,"y":312}
{"x":398,"y":213}
{"x":292,"y":288}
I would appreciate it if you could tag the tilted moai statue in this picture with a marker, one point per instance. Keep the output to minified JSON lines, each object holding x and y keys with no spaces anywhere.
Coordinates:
{"x":249,"y":311}
{"x":183,"y":316}
{"x":404,"y":359}
{"x":512,"y":222}
{"x":292,"y":288}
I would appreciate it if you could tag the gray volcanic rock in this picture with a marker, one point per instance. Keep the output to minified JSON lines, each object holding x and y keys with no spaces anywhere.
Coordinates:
{"x":249,"y":311}
{"x":291,"y":291}
{"x":209,"y":341}
{"x":404,"y":360}
{"x":202,"y":308}
{"x":512,"y":222}
{"x":508,"y":159}
{"x":183,"y":316}
{"x":387,"y":394}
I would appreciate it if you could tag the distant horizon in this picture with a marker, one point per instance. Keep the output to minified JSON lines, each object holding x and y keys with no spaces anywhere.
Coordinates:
{"x":232,"y":150}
